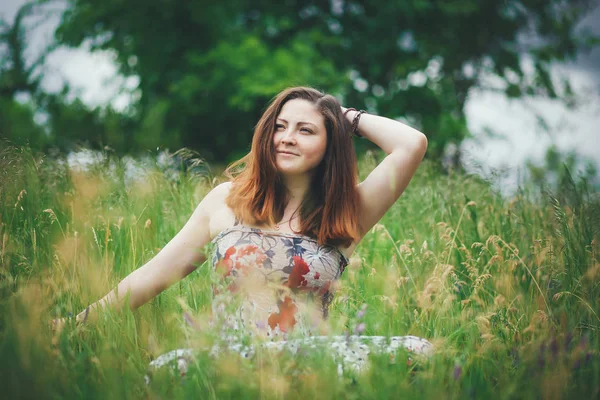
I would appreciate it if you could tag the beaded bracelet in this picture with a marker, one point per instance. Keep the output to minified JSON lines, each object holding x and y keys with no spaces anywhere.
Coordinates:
{"x":354,"y":124}
{"x":349,"y":109}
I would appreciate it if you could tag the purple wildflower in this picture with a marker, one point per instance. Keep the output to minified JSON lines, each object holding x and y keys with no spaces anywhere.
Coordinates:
{"x":583,"y":342}
{"x":554,"y":347}
{"x":360,"y":328}
{"x":191,"y":321}
{"x":457,"y":372}
{"x":363,"y":310}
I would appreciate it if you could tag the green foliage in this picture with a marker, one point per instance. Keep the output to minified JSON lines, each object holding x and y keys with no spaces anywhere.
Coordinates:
{"x":17,"y":125}
{"x":74,"y":124}
{"x":237,"y":78}
{"x":208,"y":68}
{"x":506,"y":289}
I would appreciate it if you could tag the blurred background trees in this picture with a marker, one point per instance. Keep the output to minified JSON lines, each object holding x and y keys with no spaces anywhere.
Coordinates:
{"x":207,"y":69}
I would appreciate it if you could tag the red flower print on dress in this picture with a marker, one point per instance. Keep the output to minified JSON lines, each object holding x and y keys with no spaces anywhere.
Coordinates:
{"x":300,"y":268}
{"x":226,"y":264}
{"x":317,"y":275}
{"x":242,"y":259}
{"x":249,"y":257}
{"x":250,"y":249}
{"x":286,"y":316}
{"x":324,"y":289}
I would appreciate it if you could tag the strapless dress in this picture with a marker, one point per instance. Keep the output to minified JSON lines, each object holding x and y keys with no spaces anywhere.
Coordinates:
{"x":277,"y":287}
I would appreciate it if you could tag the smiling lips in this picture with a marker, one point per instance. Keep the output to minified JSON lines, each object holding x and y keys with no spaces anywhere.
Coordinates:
{"x":287,"y":152}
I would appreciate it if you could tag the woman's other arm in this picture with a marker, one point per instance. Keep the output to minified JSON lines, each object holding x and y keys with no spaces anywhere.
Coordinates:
{"x":175,"y":261}
{"x":405,"y":148}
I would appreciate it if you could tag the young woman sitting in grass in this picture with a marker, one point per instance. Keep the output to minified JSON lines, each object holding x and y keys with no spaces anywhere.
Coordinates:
{"x":283,"y":229}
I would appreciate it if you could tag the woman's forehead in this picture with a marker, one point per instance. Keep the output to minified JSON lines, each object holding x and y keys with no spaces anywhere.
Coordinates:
{"x":299,"y":110}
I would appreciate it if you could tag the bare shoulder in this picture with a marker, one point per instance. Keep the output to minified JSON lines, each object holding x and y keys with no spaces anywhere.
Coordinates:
{"x":216,"y":195}
{"x":220,"y":191}
{"x":220,"y":215}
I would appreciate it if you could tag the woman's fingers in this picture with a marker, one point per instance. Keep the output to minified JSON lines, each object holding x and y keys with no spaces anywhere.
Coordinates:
{"x":56,"y":325}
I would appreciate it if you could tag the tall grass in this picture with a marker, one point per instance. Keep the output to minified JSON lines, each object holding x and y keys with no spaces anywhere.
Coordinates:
{"x":508,"y":291}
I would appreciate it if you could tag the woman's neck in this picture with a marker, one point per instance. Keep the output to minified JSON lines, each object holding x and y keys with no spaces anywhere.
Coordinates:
{"x":297,"y":187}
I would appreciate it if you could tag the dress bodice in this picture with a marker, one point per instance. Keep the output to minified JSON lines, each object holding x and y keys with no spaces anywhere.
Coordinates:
{"x":284,"y":281}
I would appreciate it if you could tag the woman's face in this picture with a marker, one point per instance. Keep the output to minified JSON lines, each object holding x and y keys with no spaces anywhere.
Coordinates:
{"x":300,"y":130}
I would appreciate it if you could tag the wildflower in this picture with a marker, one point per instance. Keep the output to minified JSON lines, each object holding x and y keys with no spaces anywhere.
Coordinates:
{"x":588,"y":358}
{"x":583,"y":342}
{"x":457,"y":372}
{"x":360,"y":328}
{"x":191,"y":321}
{"x":361,"y":313}
{"x":554,"y":347}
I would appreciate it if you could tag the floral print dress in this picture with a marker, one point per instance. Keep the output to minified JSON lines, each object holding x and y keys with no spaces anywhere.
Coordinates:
{"x":284,"y":282}
{"x":278,"y":286}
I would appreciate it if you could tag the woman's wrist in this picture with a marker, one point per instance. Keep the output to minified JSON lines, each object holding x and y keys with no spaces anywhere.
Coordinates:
{"x":349,"y":113}
{"x":82,"y":316}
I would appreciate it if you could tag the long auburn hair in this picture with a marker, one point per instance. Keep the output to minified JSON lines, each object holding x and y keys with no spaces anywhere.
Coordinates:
{"x":329,"y":211}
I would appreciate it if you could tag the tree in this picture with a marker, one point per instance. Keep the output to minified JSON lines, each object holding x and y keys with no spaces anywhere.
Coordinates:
{"x":17,"y":120}
{"x":207,"y":68}
{"x":67,"y":123}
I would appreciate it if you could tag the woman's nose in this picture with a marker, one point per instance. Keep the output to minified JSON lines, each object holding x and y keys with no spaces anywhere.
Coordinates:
{"x":288,"y":136}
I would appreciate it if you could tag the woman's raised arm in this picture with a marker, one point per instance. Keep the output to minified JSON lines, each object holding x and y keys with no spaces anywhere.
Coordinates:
{"x":175,"y":261}
{"x":405,"y":148}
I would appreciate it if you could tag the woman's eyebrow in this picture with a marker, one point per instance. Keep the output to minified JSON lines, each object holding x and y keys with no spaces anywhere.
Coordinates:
{"x":299,"y":123}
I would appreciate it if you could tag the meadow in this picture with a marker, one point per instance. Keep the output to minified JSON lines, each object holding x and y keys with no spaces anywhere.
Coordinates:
{"x":508,"y":290}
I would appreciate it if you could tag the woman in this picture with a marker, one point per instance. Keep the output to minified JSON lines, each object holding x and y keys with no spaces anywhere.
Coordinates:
{"x":283,"y":229}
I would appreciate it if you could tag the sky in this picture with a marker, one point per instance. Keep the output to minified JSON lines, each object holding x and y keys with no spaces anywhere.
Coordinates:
{"x":517,"y":132}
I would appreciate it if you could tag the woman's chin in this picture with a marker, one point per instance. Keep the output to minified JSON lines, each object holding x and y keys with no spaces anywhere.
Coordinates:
{"x":290,"y":171}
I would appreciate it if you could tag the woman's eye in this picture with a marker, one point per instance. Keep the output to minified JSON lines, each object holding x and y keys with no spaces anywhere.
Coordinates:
{"x":277,"y":126}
